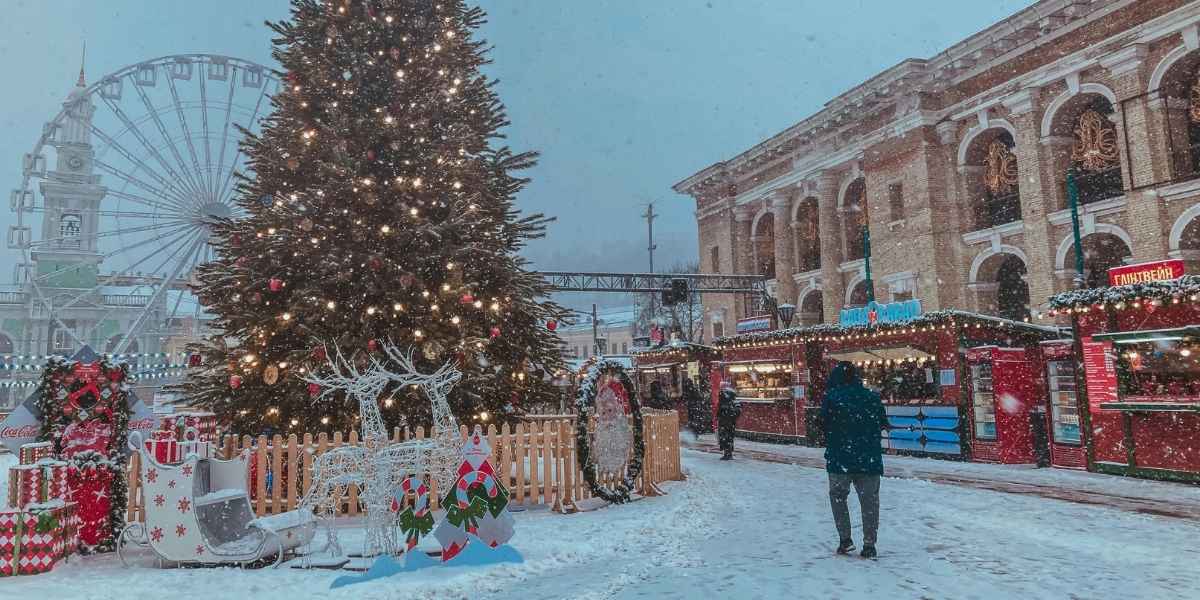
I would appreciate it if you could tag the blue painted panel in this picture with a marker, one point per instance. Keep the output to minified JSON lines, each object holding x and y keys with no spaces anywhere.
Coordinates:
{"x":948,"y":437}
{"x":942,"y":424}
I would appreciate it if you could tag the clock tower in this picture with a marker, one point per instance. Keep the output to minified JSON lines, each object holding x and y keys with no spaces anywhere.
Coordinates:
{"x":72,"y":195}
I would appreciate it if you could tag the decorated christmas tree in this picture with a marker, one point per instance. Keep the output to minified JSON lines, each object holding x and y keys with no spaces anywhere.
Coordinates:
{"x":379,"y":206}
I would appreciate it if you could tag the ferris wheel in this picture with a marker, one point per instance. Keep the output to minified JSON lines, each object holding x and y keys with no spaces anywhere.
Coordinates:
{"x":118,"y":195}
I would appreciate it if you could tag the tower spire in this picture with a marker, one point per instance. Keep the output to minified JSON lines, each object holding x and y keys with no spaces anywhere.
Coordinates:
{"x":82,"y":58}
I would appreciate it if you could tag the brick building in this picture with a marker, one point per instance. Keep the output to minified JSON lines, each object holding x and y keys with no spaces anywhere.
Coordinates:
{"x":958,"y":166}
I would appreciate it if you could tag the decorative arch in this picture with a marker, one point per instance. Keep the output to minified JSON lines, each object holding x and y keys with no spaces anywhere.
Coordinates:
{"x":858,"y":278}
{"x":991,"y":251}
{"x":1164,"y":66}
{"x":1176,"y":238}
{"x":974,"y":132}
{"x":1061,"y":100}
{"x":853,"y":175}
{"x":762,"y":210}
{"x":1067,"y":243}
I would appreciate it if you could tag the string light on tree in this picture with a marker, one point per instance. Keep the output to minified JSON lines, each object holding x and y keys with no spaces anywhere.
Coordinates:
{"x":387,"y":120}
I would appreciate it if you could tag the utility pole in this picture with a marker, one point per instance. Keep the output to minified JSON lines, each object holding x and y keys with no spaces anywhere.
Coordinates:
{"x":595,"y":332}
{"x":650,"y":215}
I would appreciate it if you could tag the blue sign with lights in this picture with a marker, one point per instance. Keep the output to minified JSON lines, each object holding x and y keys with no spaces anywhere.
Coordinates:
{"x":874,"y":313}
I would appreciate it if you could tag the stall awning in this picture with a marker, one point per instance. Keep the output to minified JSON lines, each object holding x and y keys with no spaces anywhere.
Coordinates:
{"x":895,"y":354}
{"x":1150,"y":335}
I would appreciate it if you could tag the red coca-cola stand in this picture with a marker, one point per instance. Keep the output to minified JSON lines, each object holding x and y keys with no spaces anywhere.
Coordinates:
{"x":1140,"y":347}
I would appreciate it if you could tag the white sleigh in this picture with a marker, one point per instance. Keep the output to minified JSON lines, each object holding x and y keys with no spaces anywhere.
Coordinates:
{"x":199,"y":512}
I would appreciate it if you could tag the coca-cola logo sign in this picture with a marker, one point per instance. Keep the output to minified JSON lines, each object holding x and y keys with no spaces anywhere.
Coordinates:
{"x":141,"y":425}
{"x":25,"y":431}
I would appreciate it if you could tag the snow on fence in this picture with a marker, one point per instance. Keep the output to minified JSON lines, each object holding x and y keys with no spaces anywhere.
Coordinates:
{"x":538,"y":455}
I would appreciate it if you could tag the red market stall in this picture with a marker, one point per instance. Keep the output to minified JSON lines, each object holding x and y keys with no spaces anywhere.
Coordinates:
{"x":669,"y":366}
{"x":1140,"y":347}
{"x":769,"y":371}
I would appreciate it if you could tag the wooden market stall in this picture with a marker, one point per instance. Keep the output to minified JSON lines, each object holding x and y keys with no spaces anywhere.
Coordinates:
{"x":1140,"y":346}
{"x":669,"y":366}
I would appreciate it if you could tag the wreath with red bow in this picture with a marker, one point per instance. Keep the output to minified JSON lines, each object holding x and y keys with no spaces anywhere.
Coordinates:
{"x":91,"y":399}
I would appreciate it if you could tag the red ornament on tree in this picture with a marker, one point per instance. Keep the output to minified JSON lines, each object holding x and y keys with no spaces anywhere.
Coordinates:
{"x":319,"y":353}
{"x":551,"y":324}
{"x":194,"y":360}
{"x":495,"y":332}
{"x":466,"y":299}
{"x":370,"y":155}
{"x":375,"y":263}
{"x":314,"y":389}
{"x":275,"y":284}
{"x":235,"y":381}
{"x":372,"y":345}
{"x":255,"y":298}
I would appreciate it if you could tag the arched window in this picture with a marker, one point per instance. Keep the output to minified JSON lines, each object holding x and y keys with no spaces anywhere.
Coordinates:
{"x":764,"y":245}
{"x":992,"y":179}
{"x":808,"y":235}
{"x":1012,"y":292}
{"x":1179,"y":93}
{"x":69,"y":228}
{"x":1101,"y":252}
{"x":812,"y":310}
{"x":1095,"y":155}
{"x":854,"y":218}
{"x":858,"y":296}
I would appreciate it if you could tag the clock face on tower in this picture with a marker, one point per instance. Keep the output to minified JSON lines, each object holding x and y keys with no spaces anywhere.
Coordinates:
{"x":75,"y":163}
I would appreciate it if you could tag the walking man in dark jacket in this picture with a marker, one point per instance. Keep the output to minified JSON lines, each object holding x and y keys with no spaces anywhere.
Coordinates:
{"x":853,"y":417}
{"x":728,"y":411}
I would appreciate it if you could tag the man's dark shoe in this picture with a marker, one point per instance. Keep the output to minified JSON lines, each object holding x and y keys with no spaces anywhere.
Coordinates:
{"x":868,"y":551}
{"x":727,"y":457}
{"x":845,"y":547}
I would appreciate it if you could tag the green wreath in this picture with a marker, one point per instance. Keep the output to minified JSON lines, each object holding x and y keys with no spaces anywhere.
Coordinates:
{"x":585,"y":403}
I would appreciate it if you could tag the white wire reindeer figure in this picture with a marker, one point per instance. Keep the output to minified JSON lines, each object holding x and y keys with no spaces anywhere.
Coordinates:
{"x":378,"y":466}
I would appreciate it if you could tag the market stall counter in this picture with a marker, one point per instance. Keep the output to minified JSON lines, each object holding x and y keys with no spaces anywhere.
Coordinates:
{"x":670,"y":366}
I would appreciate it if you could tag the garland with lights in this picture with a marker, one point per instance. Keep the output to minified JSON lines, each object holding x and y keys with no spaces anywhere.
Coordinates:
{"x":1121,"y":297}
{"x":585,"y":403}
{"x":940,"y":319}
{"x":85,"y":413}
{"x":378,"y":205}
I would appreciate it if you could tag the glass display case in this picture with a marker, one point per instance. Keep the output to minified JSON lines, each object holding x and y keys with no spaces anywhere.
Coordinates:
{"x":983,"y":401}
{"x":761,"y":381}
{"x":903,"y":383}
{"x":1164,"y":369}
{"x":1064,"y":411}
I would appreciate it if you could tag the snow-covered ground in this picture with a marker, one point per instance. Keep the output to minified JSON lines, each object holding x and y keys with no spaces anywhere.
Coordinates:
{"x":747,"y":529}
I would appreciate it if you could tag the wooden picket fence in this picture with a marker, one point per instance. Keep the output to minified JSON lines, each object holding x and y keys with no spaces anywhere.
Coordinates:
{"x":538,"y":455}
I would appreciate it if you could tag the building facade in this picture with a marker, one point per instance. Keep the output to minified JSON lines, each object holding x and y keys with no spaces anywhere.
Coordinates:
{"x":956,"y":170}
{"x":614,"y":329}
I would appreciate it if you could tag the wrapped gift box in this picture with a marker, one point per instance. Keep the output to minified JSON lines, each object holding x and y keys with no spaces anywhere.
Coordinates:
{"x":32,"y":453}
{"x":164,"y":448}
{"x":24,"y":485}
{"x":43,"y":482}
{"x":33,"y":541}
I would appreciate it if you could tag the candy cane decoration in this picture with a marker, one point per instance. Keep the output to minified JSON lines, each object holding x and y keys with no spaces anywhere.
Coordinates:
{"x":415,"y":520}
{"x":466,"y":481}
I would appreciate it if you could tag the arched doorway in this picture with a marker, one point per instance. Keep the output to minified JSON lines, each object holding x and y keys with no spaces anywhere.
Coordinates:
{"x":808,"y":235}
{"x":992,"y":179}
{"x":812,"y":309}
{"x":764,"y":245}
{"x":854,"y":218}
{"x":1101,"y":252}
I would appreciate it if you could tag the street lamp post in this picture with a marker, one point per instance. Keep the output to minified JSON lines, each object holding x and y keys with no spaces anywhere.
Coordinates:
{"x":866,"y":240}
{"x":785,"y":312}
{"x":1079,"y":281}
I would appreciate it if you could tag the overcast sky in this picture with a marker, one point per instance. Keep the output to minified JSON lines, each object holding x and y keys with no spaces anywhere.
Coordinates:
{"x":623,"y":98}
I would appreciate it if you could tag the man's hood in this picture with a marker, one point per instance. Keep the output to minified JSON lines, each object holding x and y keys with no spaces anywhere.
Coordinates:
{"x":844,"y":373}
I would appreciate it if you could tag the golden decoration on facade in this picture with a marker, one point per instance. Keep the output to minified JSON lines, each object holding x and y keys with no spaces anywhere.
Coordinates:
{"x":1194,"y":104}
{"x":1000,"y":168}
{"x":1095,"y":143}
